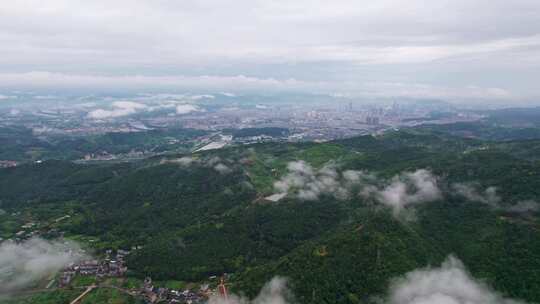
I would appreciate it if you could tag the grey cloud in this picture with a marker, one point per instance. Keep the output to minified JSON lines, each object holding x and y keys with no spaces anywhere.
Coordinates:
{"x":146,"y":39}
{"x":449,"y":284}
{"x":303,"y":25}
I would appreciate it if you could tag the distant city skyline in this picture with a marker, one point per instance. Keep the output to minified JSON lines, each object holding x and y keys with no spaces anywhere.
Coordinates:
{"x":457,"y":50}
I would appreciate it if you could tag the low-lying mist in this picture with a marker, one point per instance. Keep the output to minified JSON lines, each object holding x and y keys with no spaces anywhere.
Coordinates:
{"x":23,"y":264}
{"x":400,"y":193}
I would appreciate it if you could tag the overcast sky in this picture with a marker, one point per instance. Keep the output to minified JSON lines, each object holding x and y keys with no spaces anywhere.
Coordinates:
{"x":455,"y":49}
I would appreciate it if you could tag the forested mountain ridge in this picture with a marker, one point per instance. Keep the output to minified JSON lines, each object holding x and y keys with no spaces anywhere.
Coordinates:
{"x":208,"y":213}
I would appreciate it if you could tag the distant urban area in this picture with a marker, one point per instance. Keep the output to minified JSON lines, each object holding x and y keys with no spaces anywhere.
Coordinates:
{"x":144,"y":125}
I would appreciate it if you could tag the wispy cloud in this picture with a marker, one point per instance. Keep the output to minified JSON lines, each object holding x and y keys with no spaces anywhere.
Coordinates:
{"x":471,"y":192}
{"x":489,"y":196}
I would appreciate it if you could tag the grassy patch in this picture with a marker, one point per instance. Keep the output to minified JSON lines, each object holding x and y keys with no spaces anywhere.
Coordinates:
{"x":318,"y":155}
{"x":80,"y":281}
{"x":63,"y":296}
{"x":108,"y":296}
{"x":131,"y":283}
{"x":173,"y":284}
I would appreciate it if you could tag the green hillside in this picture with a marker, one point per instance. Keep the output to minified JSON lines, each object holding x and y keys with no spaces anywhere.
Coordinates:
{"x":205,"y":214}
